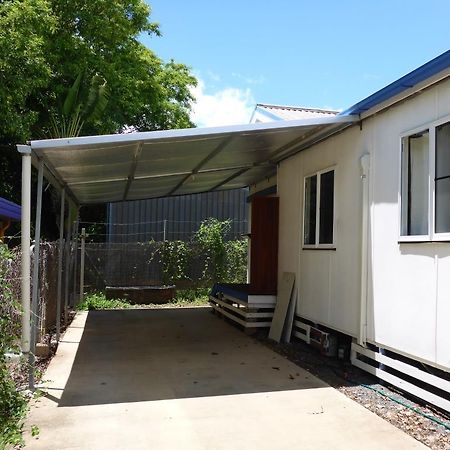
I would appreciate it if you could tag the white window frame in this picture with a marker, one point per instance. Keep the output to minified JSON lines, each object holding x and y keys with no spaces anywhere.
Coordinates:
{"x":317,"y":245}
{"x":431,"y":235}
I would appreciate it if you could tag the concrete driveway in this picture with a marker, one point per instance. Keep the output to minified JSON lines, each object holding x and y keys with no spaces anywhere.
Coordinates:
{"x":182,"y":378}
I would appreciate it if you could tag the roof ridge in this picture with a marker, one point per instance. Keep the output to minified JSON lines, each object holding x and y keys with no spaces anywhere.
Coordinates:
{"x":297,"y":108}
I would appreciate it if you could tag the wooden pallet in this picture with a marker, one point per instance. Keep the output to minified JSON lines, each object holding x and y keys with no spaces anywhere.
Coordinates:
{"x":254,"y":315}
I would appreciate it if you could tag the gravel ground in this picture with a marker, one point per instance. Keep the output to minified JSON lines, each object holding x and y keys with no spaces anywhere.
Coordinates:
{"x":363,"y":387}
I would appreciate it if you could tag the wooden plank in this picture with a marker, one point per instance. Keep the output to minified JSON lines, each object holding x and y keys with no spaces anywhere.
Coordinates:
{"x":412,"y":371}
{"x":306,"y":328}
{"x":248,"y":305}
{"x":287,"y":332}
{"x":240,"y":321}
{"x":242,"y":311}
{"x":404,"y":385}
{"x":282,"y":305}
{"x":300,"y":336}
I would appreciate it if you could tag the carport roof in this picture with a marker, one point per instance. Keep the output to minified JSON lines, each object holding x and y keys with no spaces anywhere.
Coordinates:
{"x":109,"y":168}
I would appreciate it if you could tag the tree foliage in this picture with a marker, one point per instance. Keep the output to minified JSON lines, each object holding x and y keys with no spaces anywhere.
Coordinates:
{"x":46,"y":44}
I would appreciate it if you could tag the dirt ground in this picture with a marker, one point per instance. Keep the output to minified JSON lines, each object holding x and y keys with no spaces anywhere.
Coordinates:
{"x":367,"y":390}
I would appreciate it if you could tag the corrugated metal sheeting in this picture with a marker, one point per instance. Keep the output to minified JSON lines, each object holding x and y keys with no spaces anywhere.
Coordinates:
{"x":176,"y":218}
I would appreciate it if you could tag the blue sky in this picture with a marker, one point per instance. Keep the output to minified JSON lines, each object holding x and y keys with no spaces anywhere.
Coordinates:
{"x":323,"y":53}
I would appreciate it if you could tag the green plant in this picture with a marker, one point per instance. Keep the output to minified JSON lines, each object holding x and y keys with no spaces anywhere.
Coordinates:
{"x":174,"y":258}
{"x":210,"y":238}
{"x":97,"y":300}
{"x":12,"y":404}
{"x":35,"y":431}
{"x":80,"y":105}
{"x":236,"y":261}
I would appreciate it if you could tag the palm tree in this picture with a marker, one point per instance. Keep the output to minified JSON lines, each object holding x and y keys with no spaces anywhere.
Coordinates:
{"x":80,"y":105}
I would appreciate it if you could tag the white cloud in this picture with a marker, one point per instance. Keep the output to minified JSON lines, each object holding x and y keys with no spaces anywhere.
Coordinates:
{"x":228,"y":106}
{"x":249,"y":80}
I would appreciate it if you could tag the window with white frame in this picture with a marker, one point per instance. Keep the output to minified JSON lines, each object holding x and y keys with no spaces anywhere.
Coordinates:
{"x":318,"y":223}
{"x":425,"y":184}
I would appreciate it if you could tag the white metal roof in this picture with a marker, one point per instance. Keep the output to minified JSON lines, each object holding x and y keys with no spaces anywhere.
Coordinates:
{"x":108,"y":168}
{"x":268,"y":113}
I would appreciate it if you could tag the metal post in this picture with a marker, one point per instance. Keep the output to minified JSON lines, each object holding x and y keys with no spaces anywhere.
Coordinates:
{"x":82,"y":254}
{"x":25,"y":150}
{"x":75,"y":260}
{"x":35,"y":283}
{"x":164,"y":229}
{"x":67,"y":271}
{"x":60,"y":263}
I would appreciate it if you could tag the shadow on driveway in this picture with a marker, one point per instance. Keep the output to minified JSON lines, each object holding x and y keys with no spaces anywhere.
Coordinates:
{"x":141,"y":355}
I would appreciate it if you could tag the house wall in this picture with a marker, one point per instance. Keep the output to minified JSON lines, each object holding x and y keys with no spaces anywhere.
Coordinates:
{"x":327,"y":281}
{"x":410,"y":290}
{"x":409,"y":284}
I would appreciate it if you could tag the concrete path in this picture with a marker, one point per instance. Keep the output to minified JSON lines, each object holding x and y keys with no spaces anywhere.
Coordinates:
{"x":184,"y":379}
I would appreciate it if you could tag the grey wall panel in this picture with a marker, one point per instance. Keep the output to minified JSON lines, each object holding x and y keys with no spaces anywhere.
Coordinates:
{"x":143,"y":220}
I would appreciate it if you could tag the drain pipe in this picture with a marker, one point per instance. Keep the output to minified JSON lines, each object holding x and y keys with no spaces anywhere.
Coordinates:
{"x":365,"y":168}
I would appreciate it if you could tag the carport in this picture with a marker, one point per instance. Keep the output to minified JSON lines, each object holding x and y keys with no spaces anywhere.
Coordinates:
{"x":176,"y":378}
{"x":110,"y":168}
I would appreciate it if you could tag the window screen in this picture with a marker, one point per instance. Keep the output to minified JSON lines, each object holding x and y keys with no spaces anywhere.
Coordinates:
{"x":326,"y":207}
{"x":442,"y":179}
{"x":310,"y":210}
{"x":415,"y":184}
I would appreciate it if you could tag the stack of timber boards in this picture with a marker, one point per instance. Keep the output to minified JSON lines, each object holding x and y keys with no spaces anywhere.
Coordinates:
{"x":250,"y":312}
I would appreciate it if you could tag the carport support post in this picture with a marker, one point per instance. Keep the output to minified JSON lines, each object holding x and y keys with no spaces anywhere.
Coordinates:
{"x":75,"y":260}
{"x":60,"y":264}
{"x":67,"y":270}
{"x":35,"y":284}
{"x":83,"y":247}
{"x":25,"y":150}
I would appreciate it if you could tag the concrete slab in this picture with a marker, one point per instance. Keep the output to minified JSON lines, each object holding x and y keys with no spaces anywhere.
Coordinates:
{"x":182,"y":378}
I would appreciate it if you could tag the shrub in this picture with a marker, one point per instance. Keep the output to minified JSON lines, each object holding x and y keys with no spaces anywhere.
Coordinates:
{"x":210,"y":238}
{"x":174,"y":258}
{"x":98,"y":301}
{"x":12,"y":403}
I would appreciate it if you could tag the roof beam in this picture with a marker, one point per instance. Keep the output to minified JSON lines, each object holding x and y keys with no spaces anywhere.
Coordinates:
{"x":230,"y":178}
{"x":52,"y":176}
{"x":132,"y":171}
{"x":197,"y":168}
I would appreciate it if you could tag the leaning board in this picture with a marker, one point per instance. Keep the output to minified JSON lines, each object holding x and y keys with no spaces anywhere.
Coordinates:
{"x":282,"y":306}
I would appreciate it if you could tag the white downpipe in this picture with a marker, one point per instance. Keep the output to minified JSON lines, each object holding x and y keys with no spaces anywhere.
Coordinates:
{"x":60,"y":263}
{"x":25,"y":150}
{"x":365,"y":167}
{"x":82,"y":254}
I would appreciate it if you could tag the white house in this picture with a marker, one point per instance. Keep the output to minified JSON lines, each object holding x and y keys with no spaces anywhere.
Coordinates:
{"x":364,"y":223}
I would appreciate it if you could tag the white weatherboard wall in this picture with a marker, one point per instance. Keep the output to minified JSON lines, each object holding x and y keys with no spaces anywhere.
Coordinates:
{"x":409,"y":283}
{"x":410,"y":299}
{"x":327,"y":280}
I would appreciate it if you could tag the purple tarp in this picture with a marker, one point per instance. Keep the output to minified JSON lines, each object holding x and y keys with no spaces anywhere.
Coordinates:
{"x":9,"y":210}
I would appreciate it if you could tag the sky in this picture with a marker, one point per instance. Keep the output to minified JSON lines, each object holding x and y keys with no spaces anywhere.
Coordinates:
{"x":323,"y":53}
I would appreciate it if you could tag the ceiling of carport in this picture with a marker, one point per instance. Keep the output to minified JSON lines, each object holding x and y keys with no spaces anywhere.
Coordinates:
{"x":99,"y":169}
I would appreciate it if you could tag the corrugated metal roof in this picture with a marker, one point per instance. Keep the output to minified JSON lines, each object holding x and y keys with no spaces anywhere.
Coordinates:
{"x":9,"y":210}
{"x":282,"y":112}
{"x":404,"y":83}
{"x":99,"y":169}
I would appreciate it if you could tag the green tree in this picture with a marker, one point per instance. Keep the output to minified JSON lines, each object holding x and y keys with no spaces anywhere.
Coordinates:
{"x":45,"y":44}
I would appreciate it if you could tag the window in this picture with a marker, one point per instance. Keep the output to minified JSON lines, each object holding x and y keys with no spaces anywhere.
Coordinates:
{"x":319,"y":209}
{"x":442,"y":179}
{"x":425,"y":184}
{"x":415,"y":184}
